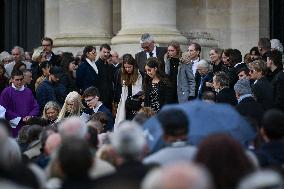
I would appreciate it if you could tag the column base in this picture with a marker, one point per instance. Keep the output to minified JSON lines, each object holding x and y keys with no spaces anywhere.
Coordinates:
{"x":70,"y":40}
{"x":162,"y":36}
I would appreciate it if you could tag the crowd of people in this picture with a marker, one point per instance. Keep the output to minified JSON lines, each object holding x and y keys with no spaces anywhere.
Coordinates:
{"x":77,"y":121}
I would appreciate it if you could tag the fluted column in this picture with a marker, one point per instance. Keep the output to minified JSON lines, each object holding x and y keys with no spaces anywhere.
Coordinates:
{"x":83,"y":22}
{"x":156,"y":17}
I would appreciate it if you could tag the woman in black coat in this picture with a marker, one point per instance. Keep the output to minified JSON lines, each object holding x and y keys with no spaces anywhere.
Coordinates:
{"x":158,"y":89}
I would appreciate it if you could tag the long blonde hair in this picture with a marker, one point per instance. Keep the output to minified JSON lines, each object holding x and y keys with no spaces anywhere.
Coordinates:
{"x":76,"y":109}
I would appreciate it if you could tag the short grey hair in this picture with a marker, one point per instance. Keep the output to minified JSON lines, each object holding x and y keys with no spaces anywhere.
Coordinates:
{"x":242,"y":87}
{"x":72,"y":126}
{"x":192,"y":175}
{"x":146,"y":37}
{"x":262,"y":179}
{"x":276,"y":44}
{"x":10,"y":152}
{"x":128,"y":140}
{"x":204,"y":64}
{"x":21,"y":49}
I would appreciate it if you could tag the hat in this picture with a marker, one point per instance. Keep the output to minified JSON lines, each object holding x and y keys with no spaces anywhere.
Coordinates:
{"x":56,"y":71}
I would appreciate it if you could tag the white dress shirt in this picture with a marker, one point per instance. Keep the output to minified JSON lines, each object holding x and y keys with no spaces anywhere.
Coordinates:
{"x":93,"y":64}
{"x":154,"y":53}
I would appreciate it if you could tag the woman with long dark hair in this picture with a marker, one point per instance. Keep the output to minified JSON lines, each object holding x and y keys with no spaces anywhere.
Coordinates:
{"x":131,"y":81}
{"x":158,"y":89}
{"x":68,"y":67}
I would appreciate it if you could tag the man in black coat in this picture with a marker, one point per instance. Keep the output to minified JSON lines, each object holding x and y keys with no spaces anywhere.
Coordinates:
{"x":106,"y":75}
{"x":247,"y":106}
{"x":149,"y":50}
{"x":271,"y":152}
{"x":47,"y":44}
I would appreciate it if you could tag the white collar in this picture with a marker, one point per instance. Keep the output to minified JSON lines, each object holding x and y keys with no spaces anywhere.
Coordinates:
{"x":18,"y":89}
{"x":96,"y":109}
{"x":153,"y":51}
{"x":244,"y":96}
{"x":89,"y":61}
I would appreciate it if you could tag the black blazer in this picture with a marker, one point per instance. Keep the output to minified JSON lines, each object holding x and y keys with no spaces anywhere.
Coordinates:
{"x":250,"y":109}
{"x":263,"y":93}
{"x":141,"y":58}
{"x":165,"y":90}
{"x":86,"y":76}
{"x":106,"y":78}
{"x":208,"y":78}
{"x":227,"y":95}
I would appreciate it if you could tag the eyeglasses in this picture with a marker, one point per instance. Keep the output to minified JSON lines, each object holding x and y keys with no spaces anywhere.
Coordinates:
{"x":46,"y":45}
{"x":89,"y":100}
{"x":93,"y":52}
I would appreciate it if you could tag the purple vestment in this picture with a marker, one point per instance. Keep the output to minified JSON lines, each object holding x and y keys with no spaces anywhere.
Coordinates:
{"x":18,"y":104}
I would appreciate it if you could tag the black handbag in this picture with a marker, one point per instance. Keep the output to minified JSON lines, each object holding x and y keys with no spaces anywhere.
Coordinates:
{"x":133,"y":103}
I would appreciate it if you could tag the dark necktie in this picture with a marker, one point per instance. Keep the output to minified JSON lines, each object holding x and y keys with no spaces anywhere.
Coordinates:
{"x":151,"y":54}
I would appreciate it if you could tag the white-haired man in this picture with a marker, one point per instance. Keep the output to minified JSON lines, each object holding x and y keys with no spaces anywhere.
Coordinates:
{"x":73,"y":126}
{"x":149,"y":50}
{"x":247,"y":106}
{"x":18,"y":57}
{"x":129,"y":144}
{"x":182,"y":175}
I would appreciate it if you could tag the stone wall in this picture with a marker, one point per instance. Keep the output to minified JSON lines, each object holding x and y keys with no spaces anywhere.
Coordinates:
{"x":212,"y":23}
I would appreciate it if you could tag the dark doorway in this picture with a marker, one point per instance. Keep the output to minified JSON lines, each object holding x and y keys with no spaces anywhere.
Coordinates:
{"x":23,"y":23}
{"x":276,"y":20}
{"x":2,"y":25}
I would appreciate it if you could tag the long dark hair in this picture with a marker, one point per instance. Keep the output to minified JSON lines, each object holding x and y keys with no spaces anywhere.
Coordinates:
{"x":87,"y":49}
{"x":225,"y":159}
{"x":67,"y":58}
{"x":155,"y":63}
{"x":129,"y":79}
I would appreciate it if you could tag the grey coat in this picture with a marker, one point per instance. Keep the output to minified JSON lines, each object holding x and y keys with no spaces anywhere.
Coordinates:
{"x":185,"y":81}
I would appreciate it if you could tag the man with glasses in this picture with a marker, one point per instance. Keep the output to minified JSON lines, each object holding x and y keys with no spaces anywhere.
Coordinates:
{"x":47,"y":44}
{"x":149,"y":50}
{"x":92,"y":99}
{"x":19,"y":102}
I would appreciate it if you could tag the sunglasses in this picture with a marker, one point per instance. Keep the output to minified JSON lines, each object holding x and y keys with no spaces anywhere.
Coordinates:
{"x":93,"y":52}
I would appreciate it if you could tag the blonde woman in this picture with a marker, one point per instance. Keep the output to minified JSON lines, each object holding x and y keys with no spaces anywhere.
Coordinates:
{"x":72,"y":106}
{"x":51,"y":111}
{"x":179,"y":71}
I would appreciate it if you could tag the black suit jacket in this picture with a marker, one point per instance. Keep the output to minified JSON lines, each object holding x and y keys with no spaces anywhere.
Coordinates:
{"x":128,"y":175}
{"x":55,"y":60}
{"x":141,"y":58}
{"x":251,"y":109}
{"x":263,"y":93}
{"x":227,"y":95}
{"x":106,"y":75}
{"x":86,"y":76}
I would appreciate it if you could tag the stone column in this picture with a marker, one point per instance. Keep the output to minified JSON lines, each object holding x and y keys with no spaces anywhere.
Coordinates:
{"x":155,"y":17}
{"x":82,"y":23}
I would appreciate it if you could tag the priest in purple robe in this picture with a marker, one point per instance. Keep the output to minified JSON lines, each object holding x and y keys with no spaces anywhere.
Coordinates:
{"x":19,"y":102}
